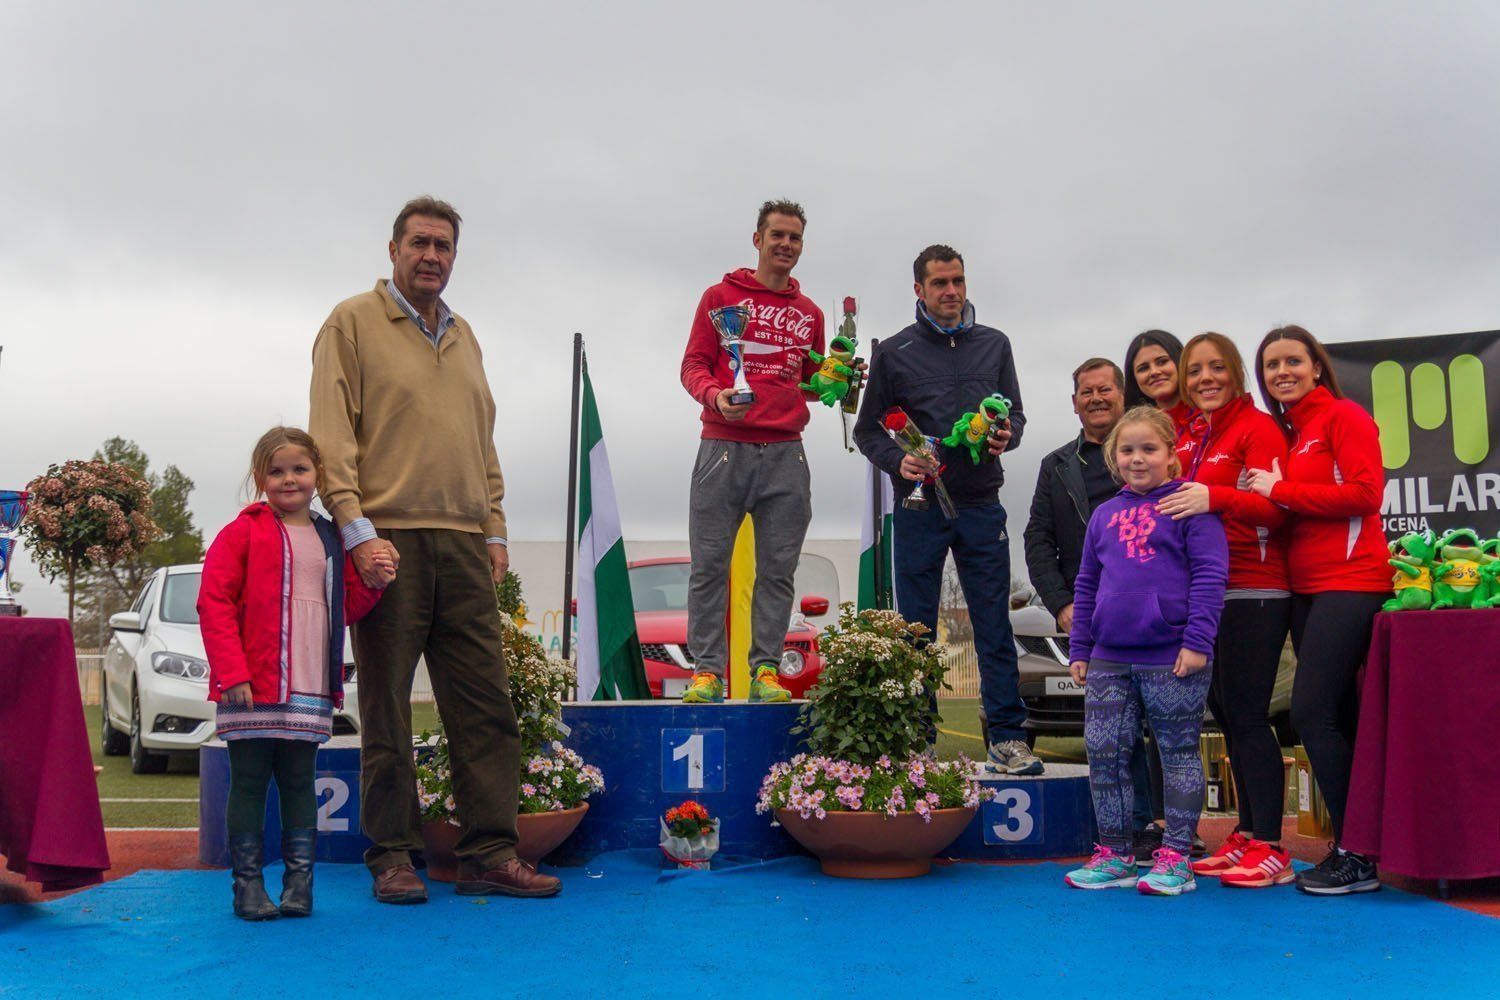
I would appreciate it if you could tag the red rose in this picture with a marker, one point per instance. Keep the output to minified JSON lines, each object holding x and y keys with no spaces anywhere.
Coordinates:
{"x":850,"y":307}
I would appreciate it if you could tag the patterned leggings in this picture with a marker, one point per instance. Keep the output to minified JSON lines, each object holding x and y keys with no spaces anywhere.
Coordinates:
{"x":1115,"y":696}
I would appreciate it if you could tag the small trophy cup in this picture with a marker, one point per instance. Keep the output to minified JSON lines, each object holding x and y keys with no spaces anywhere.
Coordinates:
{"x":730,"y":322}
{"x":12,"y":509}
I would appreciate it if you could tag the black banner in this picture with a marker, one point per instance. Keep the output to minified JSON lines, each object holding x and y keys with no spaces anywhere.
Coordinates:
{"x":1437,"y":401}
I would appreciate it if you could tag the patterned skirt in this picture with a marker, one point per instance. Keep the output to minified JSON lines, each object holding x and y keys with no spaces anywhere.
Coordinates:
{"x":304,"y":717}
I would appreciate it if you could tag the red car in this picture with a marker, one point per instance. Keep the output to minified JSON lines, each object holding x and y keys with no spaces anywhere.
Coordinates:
{"x":659,"y":589}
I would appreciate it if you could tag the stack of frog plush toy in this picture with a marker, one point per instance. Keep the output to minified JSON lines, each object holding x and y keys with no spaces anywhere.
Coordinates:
{"x":1455,"y":571}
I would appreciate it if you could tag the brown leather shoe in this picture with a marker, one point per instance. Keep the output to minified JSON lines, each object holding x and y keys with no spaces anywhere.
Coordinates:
{"x":513,"y":878}
{"x":399,"y":885}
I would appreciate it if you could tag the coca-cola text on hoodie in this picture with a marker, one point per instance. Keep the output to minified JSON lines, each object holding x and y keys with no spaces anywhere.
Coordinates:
{"x":783,"y":325}
{"x":1148,"y":586}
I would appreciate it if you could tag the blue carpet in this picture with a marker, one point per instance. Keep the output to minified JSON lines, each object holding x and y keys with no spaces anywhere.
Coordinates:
{"x":623,"y":927}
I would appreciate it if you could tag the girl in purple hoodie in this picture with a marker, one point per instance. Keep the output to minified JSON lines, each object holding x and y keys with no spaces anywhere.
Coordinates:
{"x":1145,"y":612}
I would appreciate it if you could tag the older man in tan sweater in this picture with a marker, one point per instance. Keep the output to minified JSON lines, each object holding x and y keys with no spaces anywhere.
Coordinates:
{"x":403,"y":415}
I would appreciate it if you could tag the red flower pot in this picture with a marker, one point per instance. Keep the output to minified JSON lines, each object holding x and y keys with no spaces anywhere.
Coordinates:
{"x":874,"y":845}
{"x":540,"y":834}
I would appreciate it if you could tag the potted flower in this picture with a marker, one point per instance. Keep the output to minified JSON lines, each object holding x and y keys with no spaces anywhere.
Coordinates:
{"x":689,"y":835}
{"x":555,"y":781}
{"x":871,"y":800}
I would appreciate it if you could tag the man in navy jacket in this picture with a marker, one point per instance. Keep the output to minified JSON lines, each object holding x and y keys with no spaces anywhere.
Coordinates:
{"x":936,"y":370}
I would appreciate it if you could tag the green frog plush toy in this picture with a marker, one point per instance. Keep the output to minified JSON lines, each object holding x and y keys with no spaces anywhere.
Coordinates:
{"x":1489,"y":571}
{"x":830,"y":383}
{"x":1412,"y":556}
{"x":1457,"y":581}
{"x":973,"y":429}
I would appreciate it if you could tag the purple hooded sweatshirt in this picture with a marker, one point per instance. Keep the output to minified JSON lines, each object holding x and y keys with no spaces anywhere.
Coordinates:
{"x":1148,"y":585}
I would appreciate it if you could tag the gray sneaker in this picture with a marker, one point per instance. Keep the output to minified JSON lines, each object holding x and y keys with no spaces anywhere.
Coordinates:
{"x":1014,"y":757}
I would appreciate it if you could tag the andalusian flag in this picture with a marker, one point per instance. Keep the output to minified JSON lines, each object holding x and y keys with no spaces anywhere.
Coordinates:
{"x":609,"y":653}
{"x":868,"y":598}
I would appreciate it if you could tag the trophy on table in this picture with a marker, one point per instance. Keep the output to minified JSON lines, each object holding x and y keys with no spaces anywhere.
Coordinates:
{"x":12,"y":509}
{"x":903,"y":430}
{"x":730,"y":322}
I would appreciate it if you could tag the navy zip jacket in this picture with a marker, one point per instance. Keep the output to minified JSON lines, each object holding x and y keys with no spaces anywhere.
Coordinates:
{"x":937,"y":377}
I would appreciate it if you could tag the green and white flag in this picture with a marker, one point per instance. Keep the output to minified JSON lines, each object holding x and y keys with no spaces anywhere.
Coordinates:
{"x":609,"y":652}
{"x":868,"y":598}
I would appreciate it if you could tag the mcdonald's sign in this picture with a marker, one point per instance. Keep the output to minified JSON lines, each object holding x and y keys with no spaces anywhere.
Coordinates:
{"x":1437,"y":403}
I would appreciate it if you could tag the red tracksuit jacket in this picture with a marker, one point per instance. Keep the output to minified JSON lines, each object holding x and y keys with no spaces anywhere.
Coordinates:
{"x":1333,"y":482}
{"x":783,"y":325}
{"x":1215,"y":449}
{"x":244,"y":605}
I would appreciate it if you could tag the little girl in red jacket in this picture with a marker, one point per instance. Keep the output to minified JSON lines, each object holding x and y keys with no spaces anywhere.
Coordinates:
{"x":276,"y":594}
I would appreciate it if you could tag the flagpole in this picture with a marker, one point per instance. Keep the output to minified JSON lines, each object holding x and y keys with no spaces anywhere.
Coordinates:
{"x":567,"y":601}
{"x":877,"y":532}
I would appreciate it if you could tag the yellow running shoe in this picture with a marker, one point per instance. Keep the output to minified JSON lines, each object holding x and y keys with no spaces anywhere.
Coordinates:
{"x":706,"y":689}
{"x":767,"y":686}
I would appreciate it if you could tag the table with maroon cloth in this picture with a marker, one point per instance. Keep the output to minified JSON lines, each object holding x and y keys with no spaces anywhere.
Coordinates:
{"x":1424,"y":797}
{"x":51,"y":830}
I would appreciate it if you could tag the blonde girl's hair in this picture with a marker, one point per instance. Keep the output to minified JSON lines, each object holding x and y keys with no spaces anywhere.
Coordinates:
{"x":269,"y":444}
{"x":1227,"y":351}
{"x":1153,"y":418}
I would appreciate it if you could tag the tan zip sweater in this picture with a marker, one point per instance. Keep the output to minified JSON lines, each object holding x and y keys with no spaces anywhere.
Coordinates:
{"x":407,"y":430}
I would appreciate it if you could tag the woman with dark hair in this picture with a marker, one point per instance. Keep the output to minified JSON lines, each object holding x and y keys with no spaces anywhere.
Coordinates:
{"x":1227,"y":436}
{"x":1332,"y":485}
{"x":1151,"y":376}
{"x":1151,"y":380}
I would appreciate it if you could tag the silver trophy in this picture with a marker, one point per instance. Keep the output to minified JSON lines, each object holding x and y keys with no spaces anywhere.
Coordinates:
{"x":12,"y":510}
{"x":731,"y":321}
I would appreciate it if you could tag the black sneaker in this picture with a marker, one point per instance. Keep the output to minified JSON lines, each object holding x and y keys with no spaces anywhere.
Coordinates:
{"x":1145,"y":844}
{"x":1199,"y":848}
{"x":1339,"y":874}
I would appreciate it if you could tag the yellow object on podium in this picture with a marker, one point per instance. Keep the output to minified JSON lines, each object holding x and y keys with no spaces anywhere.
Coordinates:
{"x":741,"y":593}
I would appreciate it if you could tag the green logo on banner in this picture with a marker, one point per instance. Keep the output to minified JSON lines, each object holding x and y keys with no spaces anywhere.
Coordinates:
{"x":1457,"y":399}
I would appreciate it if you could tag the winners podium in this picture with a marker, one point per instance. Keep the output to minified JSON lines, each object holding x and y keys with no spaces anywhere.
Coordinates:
{"x":655,"y":754}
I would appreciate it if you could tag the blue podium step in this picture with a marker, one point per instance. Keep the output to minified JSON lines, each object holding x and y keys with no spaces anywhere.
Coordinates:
{"x":654,"y":755}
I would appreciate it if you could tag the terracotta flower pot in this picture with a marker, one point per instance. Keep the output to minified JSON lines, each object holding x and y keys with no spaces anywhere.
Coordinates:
{"x":874,"y":845}
{"x":540,"y":835}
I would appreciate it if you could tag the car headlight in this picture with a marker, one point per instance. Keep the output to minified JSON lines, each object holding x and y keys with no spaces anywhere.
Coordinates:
{"x":189,"y":668}
{"x":792,"y":663}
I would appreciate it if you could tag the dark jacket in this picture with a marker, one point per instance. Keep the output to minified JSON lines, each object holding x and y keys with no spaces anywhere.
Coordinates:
{"x":936,"y":378}
{"x":1054,"y":531}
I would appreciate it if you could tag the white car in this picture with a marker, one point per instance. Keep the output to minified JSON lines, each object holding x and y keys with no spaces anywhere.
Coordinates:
{"x":154,"y":700}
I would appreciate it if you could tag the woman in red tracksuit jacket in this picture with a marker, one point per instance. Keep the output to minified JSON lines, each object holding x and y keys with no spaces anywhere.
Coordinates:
{"x":1332,"y":484}
{"x":1226,"y":437}
{"x":276,"y":593}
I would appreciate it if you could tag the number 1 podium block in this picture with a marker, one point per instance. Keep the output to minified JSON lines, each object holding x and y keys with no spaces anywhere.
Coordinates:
{"x":655,"y":754}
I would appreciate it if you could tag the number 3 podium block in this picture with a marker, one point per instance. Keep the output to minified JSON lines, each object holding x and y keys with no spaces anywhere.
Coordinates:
{"x":1049,"y":816}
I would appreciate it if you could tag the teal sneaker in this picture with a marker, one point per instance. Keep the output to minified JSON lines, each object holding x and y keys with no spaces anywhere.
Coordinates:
{"x":1169,"y":876}
{"x":1105,"y":870}
{"x":767,"y":686}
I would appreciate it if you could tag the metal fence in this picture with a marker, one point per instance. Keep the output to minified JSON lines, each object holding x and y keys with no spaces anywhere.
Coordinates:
{"x":90,"y":675}
{"x":963,"y":672}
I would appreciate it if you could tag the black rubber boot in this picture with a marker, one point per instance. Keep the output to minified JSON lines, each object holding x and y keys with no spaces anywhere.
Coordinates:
{"x":297,"y":849}
{"x":246,"y":857}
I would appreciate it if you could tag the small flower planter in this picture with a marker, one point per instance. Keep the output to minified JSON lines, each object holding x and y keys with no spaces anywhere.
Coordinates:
{"x":540,"y":834}
{"x":873,"y":845}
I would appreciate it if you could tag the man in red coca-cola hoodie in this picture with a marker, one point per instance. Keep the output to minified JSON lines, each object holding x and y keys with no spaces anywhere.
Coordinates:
{"x":750,"y":460}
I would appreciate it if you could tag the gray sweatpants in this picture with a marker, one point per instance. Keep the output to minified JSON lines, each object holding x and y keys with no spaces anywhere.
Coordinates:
{"x":770,"y":482}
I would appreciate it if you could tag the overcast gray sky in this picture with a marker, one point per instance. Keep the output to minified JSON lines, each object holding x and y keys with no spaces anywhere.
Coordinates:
{"x":189,"y":188}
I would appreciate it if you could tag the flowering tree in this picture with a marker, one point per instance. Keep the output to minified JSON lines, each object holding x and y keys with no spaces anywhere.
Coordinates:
{"x":85,"y":516}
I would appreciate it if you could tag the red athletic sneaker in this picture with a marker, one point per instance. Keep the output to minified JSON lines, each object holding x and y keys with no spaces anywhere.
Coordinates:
{"x":1225,"y":858}
{"x":1262,"y":866}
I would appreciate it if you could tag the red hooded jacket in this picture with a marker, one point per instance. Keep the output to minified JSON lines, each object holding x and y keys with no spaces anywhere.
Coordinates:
{"x":1333,"y":482}
{"x":783,"y":325}
{"x":1215,"y":449}
{"x":244,"y":605}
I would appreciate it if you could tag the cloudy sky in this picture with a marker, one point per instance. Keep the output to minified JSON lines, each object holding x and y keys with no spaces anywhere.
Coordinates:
{"x":190,"y":188}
